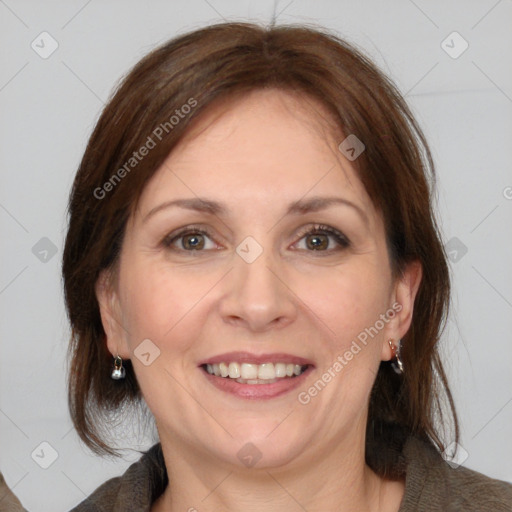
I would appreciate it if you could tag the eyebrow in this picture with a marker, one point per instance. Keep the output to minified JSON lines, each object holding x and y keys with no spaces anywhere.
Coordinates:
{"x":197,"y":204}
{"x":317,"y":203}
{"x":300,"y":207}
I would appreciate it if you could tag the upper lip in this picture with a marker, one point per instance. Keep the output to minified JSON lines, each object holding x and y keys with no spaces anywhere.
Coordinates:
{"x":247,"y":357}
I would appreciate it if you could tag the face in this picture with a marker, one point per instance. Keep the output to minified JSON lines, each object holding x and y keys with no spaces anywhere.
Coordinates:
{"x":255,"y":253}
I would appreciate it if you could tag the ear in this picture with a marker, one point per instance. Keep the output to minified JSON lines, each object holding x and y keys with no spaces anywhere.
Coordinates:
{"x":402,"y":303}
{"x":111,"y":318}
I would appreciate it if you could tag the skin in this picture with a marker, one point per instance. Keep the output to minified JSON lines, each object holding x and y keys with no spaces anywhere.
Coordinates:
{"x":256,"y":155}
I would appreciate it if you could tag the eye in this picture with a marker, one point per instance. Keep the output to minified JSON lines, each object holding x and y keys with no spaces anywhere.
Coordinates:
{"x":322,"y":239}
{"x":190,"y":239}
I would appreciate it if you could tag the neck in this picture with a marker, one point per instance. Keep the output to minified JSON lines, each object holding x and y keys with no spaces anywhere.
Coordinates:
{"x":336,"y":477}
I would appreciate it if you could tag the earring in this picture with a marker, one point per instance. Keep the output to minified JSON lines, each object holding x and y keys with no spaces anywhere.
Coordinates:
{"x":118,"y":371}
{"x":397,"y":365}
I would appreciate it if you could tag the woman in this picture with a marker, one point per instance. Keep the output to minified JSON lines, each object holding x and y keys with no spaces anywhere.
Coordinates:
{"x":252,"y":252}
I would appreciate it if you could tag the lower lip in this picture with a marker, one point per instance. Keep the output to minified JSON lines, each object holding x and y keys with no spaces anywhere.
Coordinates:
{"x":257,"y":391}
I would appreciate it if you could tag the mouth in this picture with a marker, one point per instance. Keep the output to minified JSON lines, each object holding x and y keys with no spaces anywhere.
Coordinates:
{"x":256,"y":377}
{"x":254,"y":374}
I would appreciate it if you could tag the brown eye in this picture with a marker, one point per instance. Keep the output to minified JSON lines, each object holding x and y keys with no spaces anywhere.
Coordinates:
{"x":317,"y":242}
{"x":190,"y":240}
{"x":193,"y":241}
{"x":322,"y":239}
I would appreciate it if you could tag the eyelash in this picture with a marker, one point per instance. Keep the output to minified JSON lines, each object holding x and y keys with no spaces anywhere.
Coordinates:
{"x":318,"y":229}
{"x":322,"y":229}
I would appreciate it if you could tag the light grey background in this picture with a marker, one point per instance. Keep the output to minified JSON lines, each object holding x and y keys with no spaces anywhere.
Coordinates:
{"x":49,"y":106}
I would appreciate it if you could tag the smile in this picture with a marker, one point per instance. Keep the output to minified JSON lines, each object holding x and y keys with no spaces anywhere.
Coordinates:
{"x":253,"y":373}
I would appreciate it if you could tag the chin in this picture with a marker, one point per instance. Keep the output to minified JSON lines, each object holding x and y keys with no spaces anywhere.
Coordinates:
{"x":263,"y":444}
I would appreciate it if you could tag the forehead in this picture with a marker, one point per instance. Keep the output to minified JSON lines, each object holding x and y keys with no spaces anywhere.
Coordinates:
{"x":266,"y":146}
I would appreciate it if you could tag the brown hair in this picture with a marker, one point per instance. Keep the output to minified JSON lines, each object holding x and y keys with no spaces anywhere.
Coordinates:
{"x":215,"y":63}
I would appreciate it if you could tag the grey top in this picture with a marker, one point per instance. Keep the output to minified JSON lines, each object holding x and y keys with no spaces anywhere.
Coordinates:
{"x":431,"y":485}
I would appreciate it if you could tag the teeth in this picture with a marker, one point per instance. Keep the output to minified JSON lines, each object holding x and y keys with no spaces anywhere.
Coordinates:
{"x":234,"y":370}
{"x":256,"y":381}
{"x":266,"y":371}
{"x":280,"y":369}
{"x":250,"y":373}
{"x":224,"y":369}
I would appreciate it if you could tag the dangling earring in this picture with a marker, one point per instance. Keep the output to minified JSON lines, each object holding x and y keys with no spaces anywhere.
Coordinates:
{"x":397,"y":365}
{"x":118,"y":372}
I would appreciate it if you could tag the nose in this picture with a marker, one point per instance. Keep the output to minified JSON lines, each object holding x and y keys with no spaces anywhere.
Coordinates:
{"x":257,"y":296}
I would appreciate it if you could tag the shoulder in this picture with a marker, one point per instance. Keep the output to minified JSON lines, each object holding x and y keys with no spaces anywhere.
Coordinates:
{"x":433,"y":484}
{"x":136,"y":489}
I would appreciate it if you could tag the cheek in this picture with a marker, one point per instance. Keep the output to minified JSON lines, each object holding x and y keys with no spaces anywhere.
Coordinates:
{"x":165,"y":306}
{"x":347,"y":300}
{"x":156,"y":300}
{"x":348,"y":305}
